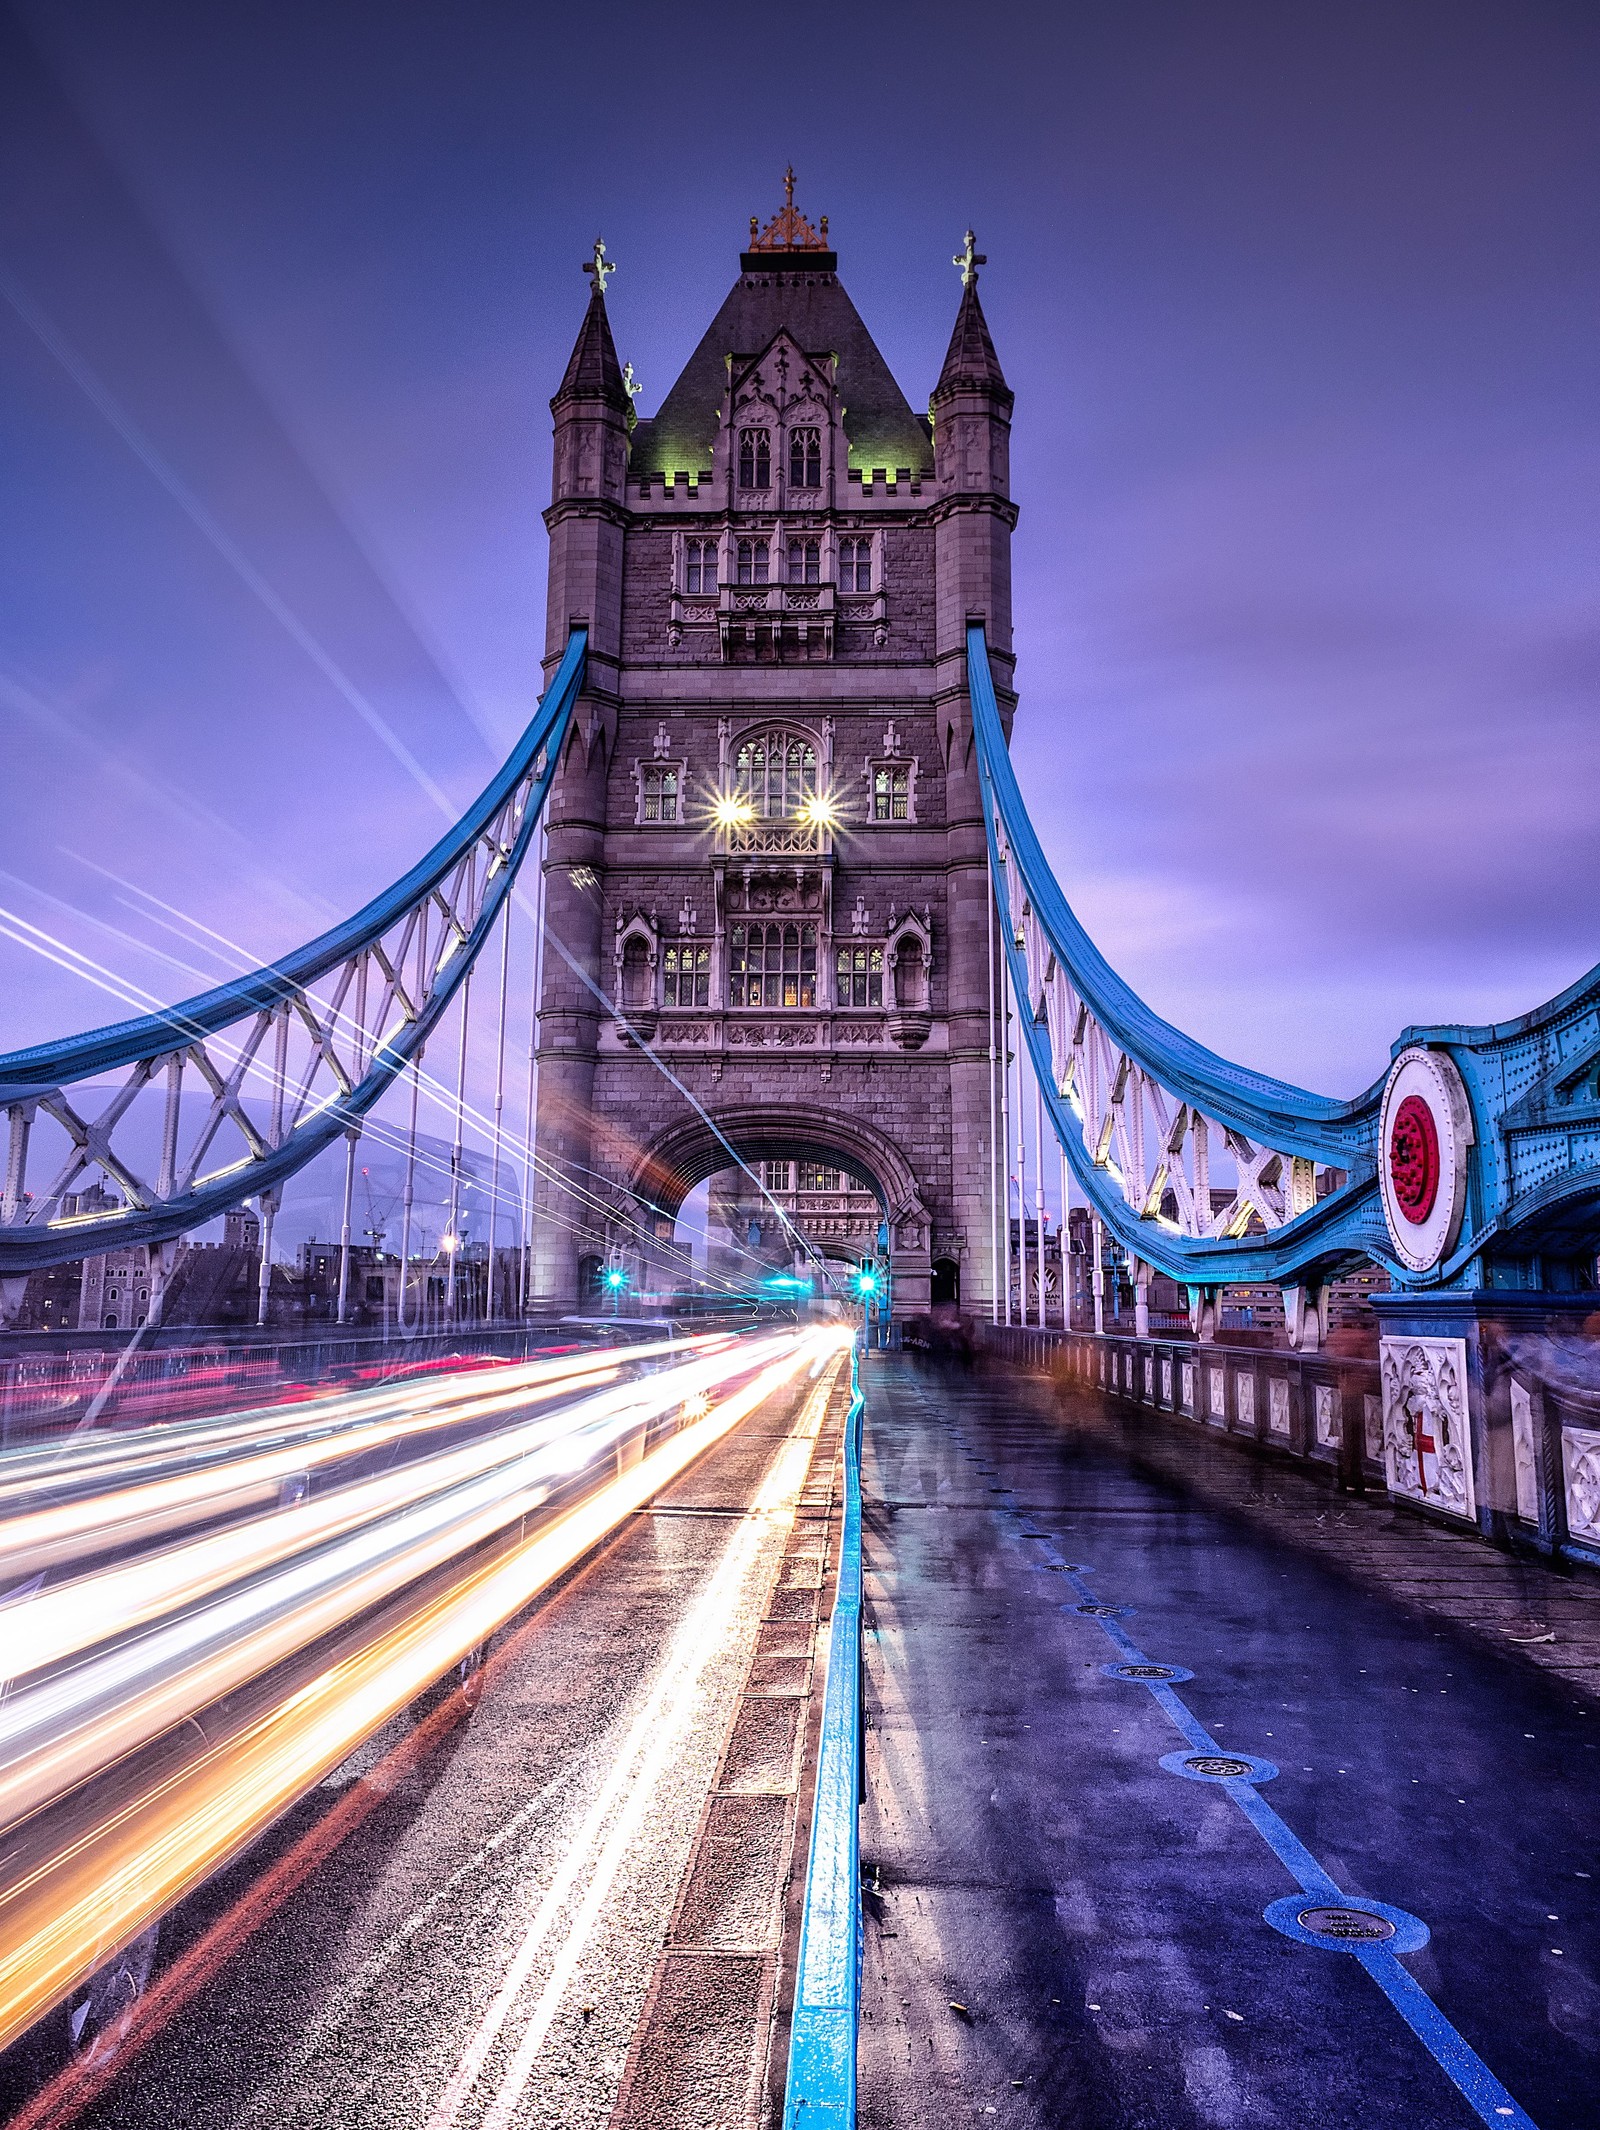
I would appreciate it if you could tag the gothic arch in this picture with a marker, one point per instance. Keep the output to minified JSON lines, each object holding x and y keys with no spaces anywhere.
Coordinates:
{"x":687,"y":1152}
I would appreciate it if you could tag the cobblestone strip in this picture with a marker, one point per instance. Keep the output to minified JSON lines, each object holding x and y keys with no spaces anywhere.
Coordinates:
{"x":710,"y":2049}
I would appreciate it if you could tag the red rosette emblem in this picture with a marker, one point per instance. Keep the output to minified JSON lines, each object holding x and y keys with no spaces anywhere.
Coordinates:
{"x":1414,"y":1159}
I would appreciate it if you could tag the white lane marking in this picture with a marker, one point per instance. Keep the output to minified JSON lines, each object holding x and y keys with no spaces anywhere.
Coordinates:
{"x":628,"y":1790}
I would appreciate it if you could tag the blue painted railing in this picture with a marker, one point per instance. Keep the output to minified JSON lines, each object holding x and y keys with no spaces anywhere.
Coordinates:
{"x":821,"y":2085}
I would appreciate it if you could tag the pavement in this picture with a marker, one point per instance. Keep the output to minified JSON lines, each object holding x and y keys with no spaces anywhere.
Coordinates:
{"x":1061,"y":1930}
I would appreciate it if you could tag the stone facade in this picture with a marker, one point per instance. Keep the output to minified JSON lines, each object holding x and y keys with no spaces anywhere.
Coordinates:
{"x":765,"y":856}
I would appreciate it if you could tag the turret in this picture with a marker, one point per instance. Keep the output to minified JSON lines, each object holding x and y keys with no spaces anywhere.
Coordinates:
{"x":592,"y":411}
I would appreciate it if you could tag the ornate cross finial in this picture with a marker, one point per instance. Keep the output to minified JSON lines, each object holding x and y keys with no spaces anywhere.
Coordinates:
{"x":600,"y":266}
{"x":788,"y":230}
{"x":969,"y":260}
{"x":788,"y":188}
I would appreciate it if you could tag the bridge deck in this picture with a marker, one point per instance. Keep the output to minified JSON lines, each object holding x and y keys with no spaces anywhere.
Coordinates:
{"x":1059,"y":1930}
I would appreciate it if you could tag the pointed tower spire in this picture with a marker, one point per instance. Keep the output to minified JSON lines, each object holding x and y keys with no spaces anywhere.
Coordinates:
{"x":593,"y":371}
{"x":970,"y":362}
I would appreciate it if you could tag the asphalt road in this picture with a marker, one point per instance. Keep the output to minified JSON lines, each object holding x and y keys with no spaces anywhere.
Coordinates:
{"x":1062,"y":1931}
{"x":475,"y":1949}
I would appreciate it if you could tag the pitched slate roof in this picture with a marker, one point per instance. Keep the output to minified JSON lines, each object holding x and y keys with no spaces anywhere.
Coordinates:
{"x":800,"y":291}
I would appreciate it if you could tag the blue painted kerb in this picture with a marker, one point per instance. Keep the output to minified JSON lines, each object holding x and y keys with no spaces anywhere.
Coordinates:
{"x":821,"y":2083}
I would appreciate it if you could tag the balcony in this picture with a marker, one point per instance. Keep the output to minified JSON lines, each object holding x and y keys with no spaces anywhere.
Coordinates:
{"x":769,"y":624}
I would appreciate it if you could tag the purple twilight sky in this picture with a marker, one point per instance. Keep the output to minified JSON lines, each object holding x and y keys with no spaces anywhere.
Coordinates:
{"x":1301,"y":305}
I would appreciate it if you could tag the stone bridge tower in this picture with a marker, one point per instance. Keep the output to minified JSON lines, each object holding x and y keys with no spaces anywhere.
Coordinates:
{"x":766,"y":855}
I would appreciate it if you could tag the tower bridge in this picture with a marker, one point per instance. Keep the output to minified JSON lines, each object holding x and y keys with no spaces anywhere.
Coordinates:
{"x":757,"y":898}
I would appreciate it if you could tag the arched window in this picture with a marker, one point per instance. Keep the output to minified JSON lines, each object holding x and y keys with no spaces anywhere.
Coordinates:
{"x":776,"y":774}
{"x":753,"y":556}
{"x":805,"y":458}
{"x":855,"y":565}
{"x":805,"y":561}
{"x":700,"y":566}
{"x":772,"y":965}
{"x":755,"y":458}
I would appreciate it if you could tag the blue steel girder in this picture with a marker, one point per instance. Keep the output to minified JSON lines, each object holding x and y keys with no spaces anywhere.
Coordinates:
{"x":1141,"y":1110}
{"x":287,"y":1057}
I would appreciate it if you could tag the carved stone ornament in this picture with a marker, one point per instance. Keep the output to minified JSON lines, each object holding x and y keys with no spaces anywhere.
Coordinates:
{"x":1427,"y":1443}
{"x":1525,"y":1452}
{"x":1278,"y":1405}
{"x":1580,"y":1459}
{"x":1423,"y":1137}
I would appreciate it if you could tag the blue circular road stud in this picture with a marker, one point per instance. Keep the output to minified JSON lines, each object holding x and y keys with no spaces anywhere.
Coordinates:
{"x":1219,"y":1767}
{"x":1347,"y":1924}
{"x":1148,"y":1674}
{"x":1092,"y":1611}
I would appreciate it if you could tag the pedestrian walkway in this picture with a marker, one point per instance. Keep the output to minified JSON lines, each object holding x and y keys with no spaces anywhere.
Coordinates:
{"x":1169,"y":1822}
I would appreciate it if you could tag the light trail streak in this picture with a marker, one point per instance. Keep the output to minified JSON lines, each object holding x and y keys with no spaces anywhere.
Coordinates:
{"x":596,"y":1851}
{"x":56,"y":1733}
{"x":69,"y":1913}
{"x":71,"y":1529}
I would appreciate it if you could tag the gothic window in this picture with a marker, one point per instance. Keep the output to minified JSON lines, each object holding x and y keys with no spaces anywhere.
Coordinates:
{"x":686,"y":974}
{"x":660,"y":792}
{"x":855,"y":565}
{"x":772,"y":965}
{"x":859,"y":976}
{"x":891,"y":791}
{"x":752,"y":561}
{"x":805,"y":561}
{"x":755,"y":458}
{"x":805,"y":458}
{"x":814,"y":1177}
{"x":637,"y":976}
{"x":700,"y":570}
{"x":775,"y":1175}
{"x":776,"y":774}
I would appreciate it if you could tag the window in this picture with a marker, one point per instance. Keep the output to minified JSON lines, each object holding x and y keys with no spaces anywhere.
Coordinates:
{"x":855,"y":565}
{"x":805,"y":458}
{"x":860,"y":977}
{"x":752,"y":561}
{"x":755,"y":458}
{"x":661,"y":792}
{"x":775,"y":1175}
{"x":891,"y":791}
{"x":700,"y":571}
{"x":776,"y":774}
{"x":814,"y":1177}
{"x":805,"y":561}
{"x":772,"y":965}
{"x":686,"y":974}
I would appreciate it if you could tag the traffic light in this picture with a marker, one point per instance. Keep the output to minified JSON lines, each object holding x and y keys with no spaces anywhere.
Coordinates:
{"x":867,"y":1282}
{"x":616,"y":1279}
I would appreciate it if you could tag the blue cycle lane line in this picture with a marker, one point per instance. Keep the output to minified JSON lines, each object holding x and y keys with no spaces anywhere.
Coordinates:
{"x":1321,"y":1916}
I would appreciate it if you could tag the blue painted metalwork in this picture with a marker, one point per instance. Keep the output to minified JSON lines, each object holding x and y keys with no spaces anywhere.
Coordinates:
{"x":821,"y":2084}
{"x":1309,"y":1203}
{"x":461,"y":886}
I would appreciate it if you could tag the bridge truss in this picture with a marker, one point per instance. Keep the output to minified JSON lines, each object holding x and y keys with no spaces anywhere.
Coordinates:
{"x":287,"y":1057}
{"x":1474,"y":1162}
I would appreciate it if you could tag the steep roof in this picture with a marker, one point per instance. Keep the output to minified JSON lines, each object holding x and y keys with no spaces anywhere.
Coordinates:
{"x":799,"y":290}
{"x":970,"y":358}
{"x":593,"y":371}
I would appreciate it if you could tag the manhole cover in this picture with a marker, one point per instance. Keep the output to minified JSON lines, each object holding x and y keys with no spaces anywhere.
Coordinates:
{"x":1349,"y":1925}
{"x":1099,"y":1612}
{"x":1218,"y":1764}
{"x":1145,"y":1671}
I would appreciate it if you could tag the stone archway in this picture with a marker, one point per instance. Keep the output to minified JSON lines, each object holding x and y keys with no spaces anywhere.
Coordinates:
{"x":689,"y":1151}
